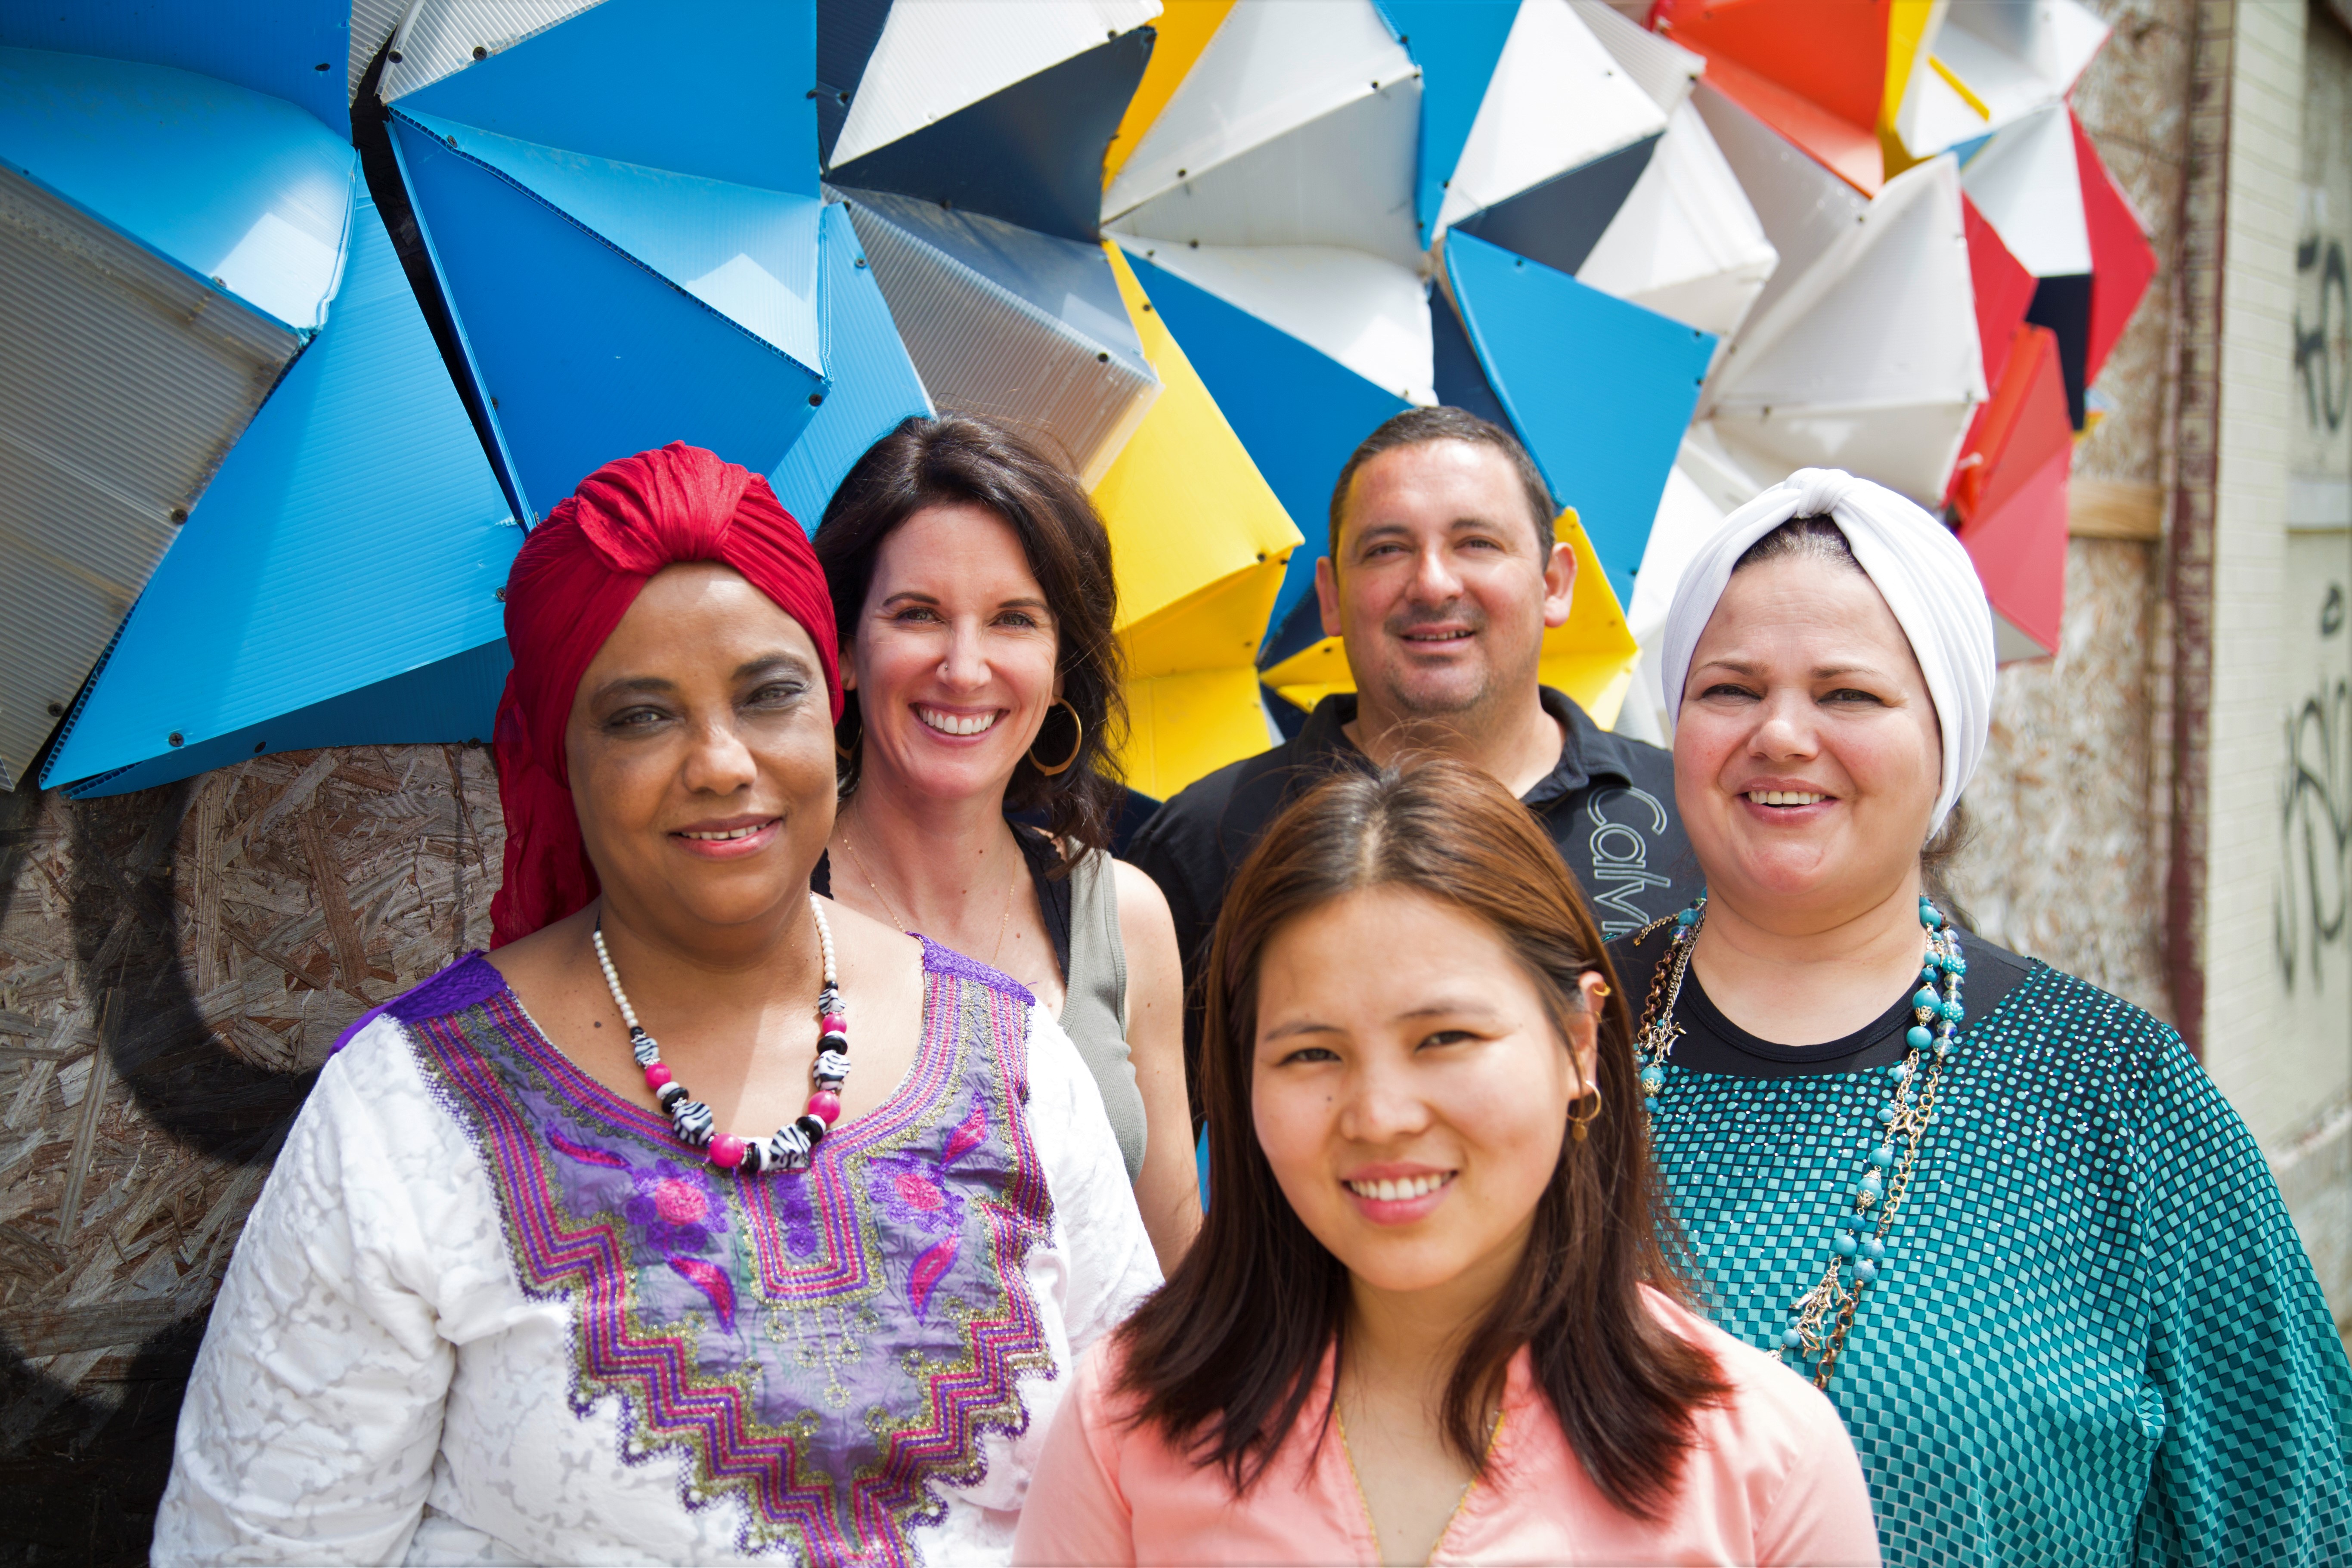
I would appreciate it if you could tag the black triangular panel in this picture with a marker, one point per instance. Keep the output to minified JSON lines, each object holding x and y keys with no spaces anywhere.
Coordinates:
{"x":2063,"y":305}
{"x":1032,"y":154}
{"x":846,"y":32}
{"x":1560,"y":221}
{"x":1460,"y":380}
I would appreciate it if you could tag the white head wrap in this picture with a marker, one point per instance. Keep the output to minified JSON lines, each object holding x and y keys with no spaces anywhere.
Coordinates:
{"x":1921,"y":570}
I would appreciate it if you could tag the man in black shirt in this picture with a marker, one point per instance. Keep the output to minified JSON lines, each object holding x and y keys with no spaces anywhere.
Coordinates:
{"x":1442,"y":577}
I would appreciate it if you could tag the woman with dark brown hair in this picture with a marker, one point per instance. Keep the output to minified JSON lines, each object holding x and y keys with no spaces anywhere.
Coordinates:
{"x":1429,"y":1316}
{"x":972,"y":583}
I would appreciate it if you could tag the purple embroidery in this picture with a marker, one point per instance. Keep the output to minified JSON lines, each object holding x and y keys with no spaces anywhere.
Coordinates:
{"x":676,"y":1208}
{"x":938,"y":960}
{"x":829,"y":1347}
{"x":469,"y":980}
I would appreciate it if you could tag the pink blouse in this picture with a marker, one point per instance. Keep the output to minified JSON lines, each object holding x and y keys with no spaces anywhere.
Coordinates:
{"x":1771,"y":1480}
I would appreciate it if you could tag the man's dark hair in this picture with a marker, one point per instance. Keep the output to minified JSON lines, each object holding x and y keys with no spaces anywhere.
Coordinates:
{"x":1420,"y":426}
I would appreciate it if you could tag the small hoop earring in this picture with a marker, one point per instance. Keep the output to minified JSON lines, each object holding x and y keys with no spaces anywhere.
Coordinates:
{"x":1601,"y":989}
{"x":1075,"y":746}
{"x":1577,"y":1125}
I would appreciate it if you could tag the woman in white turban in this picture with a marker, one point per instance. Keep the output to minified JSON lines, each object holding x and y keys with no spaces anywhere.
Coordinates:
{"x":2000,"y":1216}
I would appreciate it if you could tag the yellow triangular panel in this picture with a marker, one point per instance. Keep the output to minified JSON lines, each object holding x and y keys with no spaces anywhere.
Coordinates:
{"x":1197,"y":541}
{"x":1591,"y":658}
{"x":1911,"y":29}
{"x":1185,"y":27}
{"x":1185,"y":726}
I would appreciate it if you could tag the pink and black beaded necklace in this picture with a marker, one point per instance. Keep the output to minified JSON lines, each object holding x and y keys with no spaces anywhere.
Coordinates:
{"x":791,"y":1145}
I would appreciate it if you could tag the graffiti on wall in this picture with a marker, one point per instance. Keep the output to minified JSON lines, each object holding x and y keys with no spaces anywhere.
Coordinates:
{"x":2323,"y":344}
{"x":2316,"y":814}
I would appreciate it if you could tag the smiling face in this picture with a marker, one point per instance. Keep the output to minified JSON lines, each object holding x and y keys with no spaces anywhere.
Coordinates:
{"x":953,"y":655}
{"x":1439,"y":584}
{"x":1806,"y":757}
{"x":700,"y":748}
{"x":1412,"y":1109}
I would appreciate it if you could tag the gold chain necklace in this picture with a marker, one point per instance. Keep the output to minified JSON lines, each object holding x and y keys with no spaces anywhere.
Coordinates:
{"x":1002,"y":921}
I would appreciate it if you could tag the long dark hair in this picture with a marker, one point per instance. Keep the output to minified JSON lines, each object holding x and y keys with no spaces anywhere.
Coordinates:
{"x":1224,"y":1358}
{"x":957,"y":458}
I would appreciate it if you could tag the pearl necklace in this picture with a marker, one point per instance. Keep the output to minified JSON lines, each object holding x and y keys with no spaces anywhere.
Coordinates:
{"x":690,"y":1118}
{"x":1858,"y":1249}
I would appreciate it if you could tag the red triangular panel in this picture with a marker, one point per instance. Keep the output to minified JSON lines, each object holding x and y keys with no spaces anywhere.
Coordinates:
{"x":2003,"y":289}
{"x":2123,"y":263}
{"x":1814,"y":71}
{"x":2010,"y":492}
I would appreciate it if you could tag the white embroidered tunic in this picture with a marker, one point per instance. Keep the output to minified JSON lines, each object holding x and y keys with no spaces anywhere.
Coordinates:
{"x":486,"y":1310}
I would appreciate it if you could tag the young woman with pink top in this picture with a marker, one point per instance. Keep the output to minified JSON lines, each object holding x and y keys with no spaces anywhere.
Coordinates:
{"x":1429,"y":1318}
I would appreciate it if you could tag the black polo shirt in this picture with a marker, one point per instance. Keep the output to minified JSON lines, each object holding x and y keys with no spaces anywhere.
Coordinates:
{"x":1609,"y":805}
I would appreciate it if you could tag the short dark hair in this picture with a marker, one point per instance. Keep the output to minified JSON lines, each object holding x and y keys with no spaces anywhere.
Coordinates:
{"x":1419,"y":427}
{"x":1223,"y":1357}
{"x":957,"y":458}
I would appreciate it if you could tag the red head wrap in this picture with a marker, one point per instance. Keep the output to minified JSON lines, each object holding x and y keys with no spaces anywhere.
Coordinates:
{"x":574,"y":578}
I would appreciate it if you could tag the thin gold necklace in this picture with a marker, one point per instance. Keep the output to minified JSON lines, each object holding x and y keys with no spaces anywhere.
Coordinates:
{"x":1002,"y":921}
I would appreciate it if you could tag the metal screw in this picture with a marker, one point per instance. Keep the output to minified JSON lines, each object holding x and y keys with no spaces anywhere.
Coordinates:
{"x":815,"y":398}
{"x":57,"y":709}
{"x":500,"y":594}
{"x":175,"y":738}
{"x":1103,"y":358}
{"x":179,"y":514}
{"x":258,"y":746}
{"x":861,"y":262}
{"x":480,"y":53}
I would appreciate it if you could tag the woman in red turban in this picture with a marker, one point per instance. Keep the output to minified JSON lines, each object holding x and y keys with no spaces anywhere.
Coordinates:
{"x":597,"y":1247}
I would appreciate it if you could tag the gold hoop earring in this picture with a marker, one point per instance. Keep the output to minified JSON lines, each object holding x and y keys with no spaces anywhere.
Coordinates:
{"x":1578,"y":1124}
{"x":1075,"y":746}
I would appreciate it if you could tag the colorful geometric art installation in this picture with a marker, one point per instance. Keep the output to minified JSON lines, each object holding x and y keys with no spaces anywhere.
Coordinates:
{"x":311,"y":309}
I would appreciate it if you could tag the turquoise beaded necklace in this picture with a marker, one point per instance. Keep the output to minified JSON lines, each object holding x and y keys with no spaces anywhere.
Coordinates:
{"x":1858,"y":1241}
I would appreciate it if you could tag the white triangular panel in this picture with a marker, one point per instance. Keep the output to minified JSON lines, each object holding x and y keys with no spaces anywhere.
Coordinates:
{"x":2026,"y":183}
{"x":1665,"y":71}
{"x":1342,"y":179}
{"x":1803,"y":208}
{"x":1558,"y":100}
{"x":1687,"y":243}
{"x":1371,"y":315}
{"x":2018,"y":56}
{"x":935,"y":57}
{"x":1869,"y":362}
{"x":1272,"y":66}
{"x":1688,"y":517}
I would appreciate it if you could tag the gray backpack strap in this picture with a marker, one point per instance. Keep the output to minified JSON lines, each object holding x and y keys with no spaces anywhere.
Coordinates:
{"x":1094,"y":1014}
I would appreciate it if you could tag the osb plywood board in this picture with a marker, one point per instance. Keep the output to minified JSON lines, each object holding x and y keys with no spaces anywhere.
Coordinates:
{"x":173,"y":967}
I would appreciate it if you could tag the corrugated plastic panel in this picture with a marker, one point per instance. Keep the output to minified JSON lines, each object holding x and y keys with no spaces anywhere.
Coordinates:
{"x":370,"y":28}
{"x":123,"y":383}
{"x":874,"y":382}
{"x":1015,"y":326}
{"x":238,"y":188}
{"x":353,"y":535}
{"x":718,"y":89}
{"x":293,"y":50}
{"x":446,"y":33}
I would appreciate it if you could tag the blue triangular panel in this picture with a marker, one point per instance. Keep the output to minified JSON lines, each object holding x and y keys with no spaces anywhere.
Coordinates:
{"x":1601,"y":391}
{"x":718,"y":89}
{"x":582,"y":353}
{"x":1455,"y":43}
{"x":1030,"y":154}
{"x":238,"y":188}
{"x":294,"y":49}
{"x":1299,"y":413}
{"x":874,"y":382}
{"x":748,"y":253}
{"x":354,"y":535}
{"x":455,"y":698}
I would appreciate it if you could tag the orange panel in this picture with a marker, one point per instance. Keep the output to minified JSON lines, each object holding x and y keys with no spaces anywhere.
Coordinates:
{"x":1814,"y":71}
